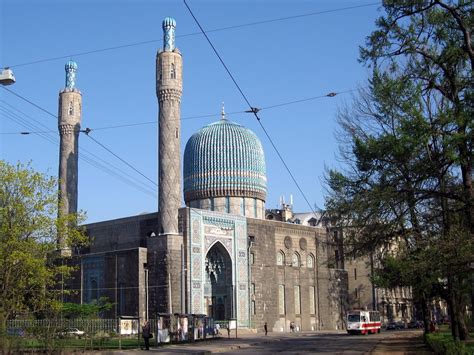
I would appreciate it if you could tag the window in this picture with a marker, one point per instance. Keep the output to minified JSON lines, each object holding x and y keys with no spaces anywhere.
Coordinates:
{"x":356,"y":295}
{"x":297,"y":300}
{"x":252,"y":289}
{"x":227,"y":204}
{"x":94,"y":292}
{"x":310,"y":261}
{"x":311,"y":300}
{"x":281,"y":299}
{"x":355,"y":274}
{"x":255,"y":207}
{"x":211,"y":202}
{"x":251,"y":258}
{"x":173,"y":71}
{"x":280,"y":258}
{"x":254,"y":311}
{"x":242,"y":206}
{"x":71,"y":108}
{"x":295,"y":260}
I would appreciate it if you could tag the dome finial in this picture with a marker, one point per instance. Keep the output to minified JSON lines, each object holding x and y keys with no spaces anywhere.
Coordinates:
{"x":223,"y":112}
{"x":169,"y":25}
{"x":70,"y":68}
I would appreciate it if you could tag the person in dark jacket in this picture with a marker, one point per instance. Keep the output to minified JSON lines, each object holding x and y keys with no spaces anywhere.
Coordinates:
{"x":146,"y":334}
{"x":265,"y":328}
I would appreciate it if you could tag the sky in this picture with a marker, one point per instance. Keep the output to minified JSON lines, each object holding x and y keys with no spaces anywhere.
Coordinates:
{"x":115,"y":43}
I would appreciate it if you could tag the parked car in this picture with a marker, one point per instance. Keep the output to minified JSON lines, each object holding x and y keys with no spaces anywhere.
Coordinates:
{"x":395,"y":325}
{"x":71,"y":332}
{"x":15,"y":332}
{"x":415,"y":324}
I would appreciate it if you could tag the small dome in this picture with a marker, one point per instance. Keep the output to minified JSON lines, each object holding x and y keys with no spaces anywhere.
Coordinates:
{"x":169,"y":21}
{"x":224,"y":159}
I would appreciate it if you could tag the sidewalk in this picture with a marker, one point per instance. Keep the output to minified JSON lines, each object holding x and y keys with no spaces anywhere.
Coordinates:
{"x":402,"y":343}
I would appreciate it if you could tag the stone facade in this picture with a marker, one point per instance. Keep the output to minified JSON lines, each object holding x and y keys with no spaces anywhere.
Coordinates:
{"x":276,"y":272}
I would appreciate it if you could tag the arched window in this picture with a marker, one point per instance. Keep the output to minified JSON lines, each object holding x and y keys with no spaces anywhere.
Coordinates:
{"x":173,"y":71}
{"x":280,"y":258}
{"x":94,"y":291}
{"x":295,"y":260}
{"x":310,"y":261}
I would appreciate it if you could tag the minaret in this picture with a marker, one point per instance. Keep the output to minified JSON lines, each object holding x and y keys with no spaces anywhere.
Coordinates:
{"x":69,"y":124}
{"x":169,"y":84}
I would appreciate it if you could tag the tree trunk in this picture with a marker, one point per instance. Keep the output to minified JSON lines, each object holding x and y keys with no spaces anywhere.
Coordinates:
{"x":452,"y":311}
{"x":425,"y":313}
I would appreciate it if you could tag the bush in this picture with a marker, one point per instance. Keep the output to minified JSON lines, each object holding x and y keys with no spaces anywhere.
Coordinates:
{"x":443,"y":343}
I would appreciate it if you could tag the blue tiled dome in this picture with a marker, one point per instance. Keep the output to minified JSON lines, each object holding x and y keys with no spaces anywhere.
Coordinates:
{"x":224,"y":159}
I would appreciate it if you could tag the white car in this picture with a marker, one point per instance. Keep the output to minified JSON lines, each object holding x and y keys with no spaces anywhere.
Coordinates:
{"x":72,"y":332}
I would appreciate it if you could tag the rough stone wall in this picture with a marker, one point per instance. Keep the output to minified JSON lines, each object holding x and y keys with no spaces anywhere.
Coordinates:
{"x":121,"y":280}
{"x":169,"y":90}
{"x":270,"y":238}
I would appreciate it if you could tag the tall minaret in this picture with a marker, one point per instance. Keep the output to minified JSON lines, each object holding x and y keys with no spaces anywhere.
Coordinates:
{"x":69,"y":124}
{"x":169,"y":84}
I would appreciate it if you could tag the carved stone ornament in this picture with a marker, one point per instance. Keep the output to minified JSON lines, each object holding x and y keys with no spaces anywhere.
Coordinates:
{"x":287,"y":242}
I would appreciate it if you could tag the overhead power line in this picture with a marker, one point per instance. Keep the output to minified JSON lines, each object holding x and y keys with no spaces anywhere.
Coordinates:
{"x":126,"y":125}
{"x":127,"y":45}
{"x":90,"y":159}
{"x":28,"y":122}
{"x":252,"y":109}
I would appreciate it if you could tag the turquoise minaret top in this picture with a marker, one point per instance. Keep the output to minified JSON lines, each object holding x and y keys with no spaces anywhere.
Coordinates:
{"x":169,"y":26}
{"x":71,"y":68}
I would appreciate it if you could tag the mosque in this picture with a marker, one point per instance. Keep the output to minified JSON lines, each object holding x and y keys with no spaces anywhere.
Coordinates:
{"x":223,"y":254}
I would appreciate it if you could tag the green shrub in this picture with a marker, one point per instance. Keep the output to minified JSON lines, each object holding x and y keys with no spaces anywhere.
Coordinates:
{"x":443,"y":343}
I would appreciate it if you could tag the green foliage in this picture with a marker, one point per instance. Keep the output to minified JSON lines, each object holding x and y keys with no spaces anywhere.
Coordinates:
{"x":407,"y":189}
{"x":30,"y":273}
{"x":87,"y":310}
{"x":443,"y":343}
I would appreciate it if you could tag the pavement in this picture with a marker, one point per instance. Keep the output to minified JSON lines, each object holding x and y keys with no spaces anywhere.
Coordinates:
{"x":396,"y":343}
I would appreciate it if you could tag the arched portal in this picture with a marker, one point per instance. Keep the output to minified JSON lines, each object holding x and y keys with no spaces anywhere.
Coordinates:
{"x":218,"y":284}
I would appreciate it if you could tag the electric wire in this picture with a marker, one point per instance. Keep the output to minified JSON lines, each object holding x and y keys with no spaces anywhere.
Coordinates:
{"x":119,"y":158}
{"x":126,"y":125}
{"x":252,"y":109}
{"x":85,"y":155}
{"x":194,"y":34}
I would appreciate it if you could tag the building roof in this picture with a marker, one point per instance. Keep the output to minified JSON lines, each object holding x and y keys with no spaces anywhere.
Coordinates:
{"x":224,"y":159}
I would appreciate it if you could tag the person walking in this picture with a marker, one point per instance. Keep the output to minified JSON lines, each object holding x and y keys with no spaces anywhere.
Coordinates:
{"x":265,"y":328}
{"x":146,"y":334}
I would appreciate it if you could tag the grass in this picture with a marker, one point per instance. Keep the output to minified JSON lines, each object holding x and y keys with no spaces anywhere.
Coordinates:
{"x":89,"y":343}
{"x":443,"y":343}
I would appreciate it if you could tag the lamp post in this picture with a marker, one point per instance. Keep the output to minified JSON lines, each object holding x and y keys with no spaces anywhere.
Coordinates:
{"x":145,"y":267}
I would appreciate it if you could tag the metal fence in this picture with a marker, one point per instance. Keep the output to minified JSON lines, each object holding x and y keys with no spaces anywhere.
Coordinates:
{"x":90,"y":326}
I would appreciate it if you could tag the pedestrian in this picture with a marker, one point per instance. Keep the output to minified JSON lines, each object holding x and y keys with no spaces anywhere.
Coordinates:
{"x":292,"y":327}
{"x":265,"y":328}
{"x":146,"y":334}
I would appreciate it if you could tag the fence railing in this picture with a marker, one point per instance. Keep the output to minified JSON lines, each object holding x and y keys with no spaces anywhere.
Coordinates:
{"x":90,"y":326}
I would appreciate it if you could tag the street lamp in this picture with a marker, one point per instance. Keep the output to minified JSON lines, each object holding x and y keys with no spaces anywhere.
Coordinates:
{"x":7,"y":77}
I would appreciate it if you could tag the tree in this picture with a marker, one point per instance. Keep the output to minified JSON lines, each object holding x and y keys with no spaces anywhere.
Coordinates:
{"x":30,"y":277}
{"x":86,"y":310}
{"x":409,"y":176}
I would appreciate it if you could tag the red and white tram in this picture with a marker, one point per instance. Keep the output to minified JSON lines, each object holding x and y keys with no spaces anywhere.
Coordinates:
{"x":363,"y":322}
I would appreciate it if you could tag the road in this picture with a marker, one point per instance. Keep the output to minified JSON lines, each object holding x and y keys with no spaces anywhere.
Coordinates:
{"x":389,"y":342}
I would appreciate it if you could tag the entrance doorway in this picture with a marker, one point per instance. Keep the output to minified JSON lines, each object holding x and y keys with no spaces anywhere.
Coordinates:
{"x":218,"y":299}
